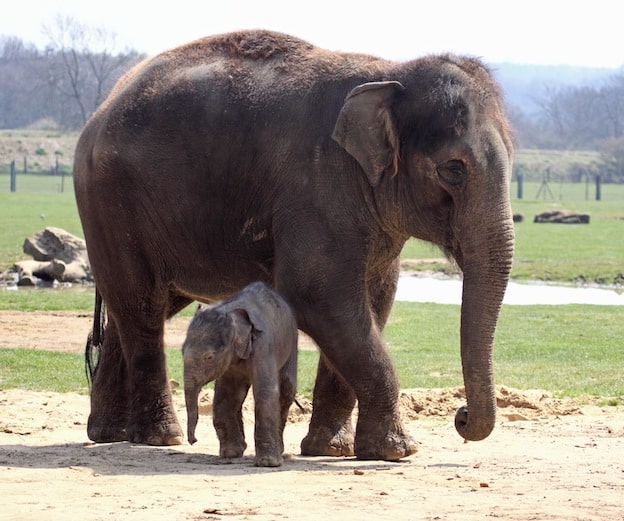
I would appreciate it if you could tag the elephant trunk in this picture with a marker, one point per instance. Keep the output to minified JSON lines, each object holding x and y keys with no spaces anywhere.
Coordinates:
{"x":485,"y":282}
{"x":191,"y":397}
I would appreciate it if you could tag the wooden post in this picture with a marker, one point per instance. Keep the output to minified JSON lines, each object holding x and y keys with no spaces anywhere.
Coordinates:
{"x":520,"y":177}
{"x":13,"y":175}
{"x":598,"y":188}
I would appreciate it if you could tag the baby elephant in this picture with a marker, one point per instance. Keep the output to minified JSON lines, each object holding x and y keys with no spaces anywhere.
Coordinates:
{"x":248,"y":339}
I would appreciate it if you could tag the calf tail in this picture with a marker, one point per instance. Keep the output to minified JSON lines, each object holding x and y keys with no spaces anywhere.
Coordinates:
{"x":95,"y":339}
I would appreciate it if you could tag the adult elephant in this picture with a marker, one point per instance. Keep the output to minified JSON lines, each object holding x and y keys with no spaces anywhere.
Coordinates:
{"x":257,"y":156}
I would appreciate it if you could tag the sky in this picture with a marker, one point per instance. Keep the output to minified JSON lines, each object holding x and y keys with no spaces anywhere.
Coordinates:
{"x":544,"y":32}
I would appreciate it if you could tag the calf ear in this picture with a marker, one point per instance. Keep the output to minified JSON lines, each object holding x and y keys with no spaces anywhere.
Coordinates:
{"x":242,"y":329}
{"x":366,"y":130}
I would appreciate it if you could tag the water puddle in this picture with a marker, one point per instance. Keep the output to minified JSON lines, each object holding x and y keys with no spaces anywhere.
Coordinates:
{"x":448,"y":291}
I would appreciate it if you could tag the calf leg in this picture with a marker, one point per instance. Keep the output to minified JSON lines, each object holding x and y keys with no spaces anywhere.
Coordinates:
{"x":227,"y":416}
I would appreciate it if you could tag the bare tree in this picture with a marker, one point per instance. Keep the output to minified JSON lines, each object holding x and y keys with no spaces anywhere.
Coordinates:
{"x":570,"y":115}
{"x":612,"y":96}
{"x":21,"y":90}
{"x":89,"y":62}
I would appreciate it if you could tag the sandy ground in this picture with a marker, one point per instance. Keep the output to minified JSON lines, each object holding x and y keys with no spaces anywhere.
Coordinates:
{"x":547,"y":459}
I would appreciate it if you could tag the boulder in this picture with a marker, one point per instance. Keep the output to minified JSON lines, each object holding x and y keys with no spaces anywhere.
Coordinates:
{"x":58,"y":256}
{"x":561,"y":216}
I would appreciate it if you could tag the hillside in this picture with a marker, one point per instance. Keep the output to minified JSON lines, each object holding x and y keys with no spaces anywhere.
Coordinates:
{"x":40,"y":149}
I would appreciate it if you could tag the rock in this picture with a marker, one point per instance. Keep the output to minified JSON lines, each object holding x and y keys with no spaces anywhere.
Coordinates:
{"x":58,"y":256}
{"x":561,"y":216}
{"x":30,"y":272}
{"x":55,"y":243}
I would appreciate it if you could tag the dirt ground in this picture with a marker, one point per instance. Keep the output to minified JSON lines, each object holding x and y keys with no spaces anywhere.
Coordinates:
{"x":547,"y":459}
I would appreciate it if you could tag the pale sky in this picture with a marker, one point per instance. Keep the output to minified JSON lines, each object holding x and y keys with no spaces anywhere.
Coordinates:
{"x":549,"y":32}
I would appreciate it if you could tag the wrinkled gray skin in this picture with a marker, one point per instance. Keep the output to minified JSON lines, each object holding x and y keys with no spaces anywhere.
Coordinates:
{"x":249,"y":339}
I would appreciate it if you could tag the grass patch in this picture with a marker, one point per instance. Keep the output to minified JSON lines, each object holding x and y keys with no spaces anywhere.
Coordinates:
{"x":37,"y":370}
{"x":568,"y":350}
{"x":78,"y":298}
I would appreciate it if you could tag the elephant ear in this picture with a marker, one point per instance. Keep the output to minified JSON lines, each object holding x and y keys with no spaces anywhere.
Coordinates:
{"x":245,"y":324}
{"x":366,"y":130}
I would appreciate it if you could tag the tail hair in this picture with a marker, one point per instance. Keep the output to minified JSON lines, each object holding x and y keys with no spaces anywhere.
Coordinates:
{"x":95,"y":340}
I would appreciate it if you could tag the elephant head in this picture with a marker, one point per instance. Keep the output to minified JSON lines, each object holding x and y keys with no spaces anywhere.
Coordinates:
{"x":215,"y":337}
{"x":436,"y":149}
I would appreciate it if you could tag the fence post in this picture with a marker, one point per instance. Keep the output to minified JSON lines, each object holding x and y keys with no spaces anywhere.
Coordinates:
{"x":12,"y":175}
{"x":598,"y":188}
{"x":520,"y":177}
{"x":25,"y":165}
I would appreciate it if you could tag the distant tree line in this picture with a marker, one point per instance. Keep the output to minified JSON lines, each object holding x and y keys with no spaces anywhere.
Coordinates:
{"x":63,"y":84}
{"x":579,"y":118}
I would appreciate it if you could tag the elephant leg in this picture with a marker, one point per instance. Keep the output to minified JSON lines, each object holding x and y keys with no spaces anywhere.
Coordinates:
{"x":379,"y":433}
{"x":152,"y":419}
{"x":176,"y":304}
{"x":331,"y":429}
{"x":386,"y":439}
{"x":227,"y":415}
{"x":288,"y":390}
{"x":367,"y":374}
{"x":382,"y":290}
{"x":109,"y":397}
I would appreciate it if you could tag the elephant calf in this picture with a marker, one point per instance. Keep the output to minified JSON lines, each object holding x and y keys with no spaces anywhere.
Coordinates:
{"x":247,"y":340}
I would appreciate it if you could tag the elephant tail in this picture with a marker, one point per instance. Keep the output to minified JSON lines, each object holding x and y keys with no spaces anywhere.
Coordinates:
{"x":95,"y":339}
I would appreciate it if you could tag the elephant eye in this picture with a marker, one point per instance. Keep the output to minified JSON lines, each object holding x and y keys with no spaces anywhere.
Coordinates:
{"x":452,"y":172}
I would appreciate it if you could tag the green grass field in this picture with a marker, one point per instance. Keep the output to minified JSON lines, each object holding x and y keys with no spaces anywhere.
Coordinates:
{"x":570,"y":350}
{"x":558,"y":252}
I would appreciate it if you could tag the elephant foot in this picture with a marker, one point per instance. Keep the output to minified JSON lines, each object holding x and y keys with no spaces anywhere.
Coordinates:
{"x":322,"y":441}
{"x":392,"y":445}
{"x":268,"y":460}
{"x":105,"y":432}
{"x":232,"y":450}
{"x":162,"y":433}
{"x":155,"y":426}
